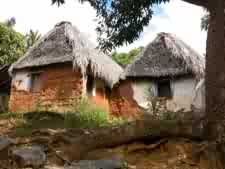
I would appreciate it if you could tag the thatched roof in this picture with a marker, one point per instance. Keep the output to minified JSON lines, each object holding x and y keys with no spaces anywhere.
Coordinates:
{"x":64,"y":43}
{"x":166,"y":55}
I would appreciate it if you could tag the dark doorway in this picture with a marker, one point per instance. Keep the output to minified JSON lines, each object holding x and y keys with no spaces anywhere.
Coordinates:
{"x":164,"y":89}
{"x":90,"y":85}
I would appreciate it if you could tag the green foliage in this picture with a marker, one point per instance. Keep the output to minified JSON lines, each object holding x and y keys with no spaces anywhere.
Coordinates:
{"x":87,"y":115}
{"x":31,"y":38}
{"x":12,"y":44}
{"x":124,"y":59}
{"x":120,"y":21}
{"x":9,"y":115}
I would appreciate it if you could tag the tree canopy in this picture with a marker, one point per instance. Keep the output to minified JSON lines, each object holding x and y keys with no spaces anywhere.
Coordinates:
{"x":12,"y":44}
{"x":122,"y":21}
{"x":123,"y":59}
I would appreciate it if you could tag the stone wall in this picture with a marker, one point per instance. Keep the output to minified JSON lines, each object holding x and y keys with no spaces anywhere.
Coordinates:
{"x":59,"y":87}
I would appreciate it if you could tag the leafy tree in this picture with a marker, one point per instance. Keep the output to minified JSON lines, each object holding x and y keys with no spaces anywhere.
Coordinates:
{"x":122,"y":21}
{"x":31,"y":38}
{"x":12,"y":44}
{"x":124,"y":59}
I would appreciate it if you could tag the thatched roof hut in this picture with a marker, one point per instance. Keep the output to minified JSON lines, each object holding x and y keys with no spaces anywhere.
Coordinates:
{"x":167,"y":55}
{"x":65,"y":43}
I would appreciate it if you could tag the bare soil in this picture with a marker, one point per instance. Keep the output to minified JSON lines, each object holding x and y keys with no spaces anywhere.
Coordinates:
{"x":166,"y":153}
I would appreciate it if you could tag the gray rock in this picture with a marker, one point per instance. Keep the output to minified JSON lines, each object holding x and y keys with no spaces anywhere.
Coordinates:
{"x":97,"y":164}
{"x":33,"y":156}
{"x":5,"y":143}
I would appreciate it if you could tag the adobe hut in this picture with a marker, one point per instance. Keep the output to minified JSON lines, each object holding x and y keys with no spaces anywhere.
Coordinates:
{"x":58,"y":70}
{"x":167,"y":70}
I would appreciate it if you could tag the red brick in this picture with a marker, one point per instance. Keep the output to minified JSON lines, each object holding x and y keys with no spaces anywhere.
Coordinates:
{"x":59,"y":83}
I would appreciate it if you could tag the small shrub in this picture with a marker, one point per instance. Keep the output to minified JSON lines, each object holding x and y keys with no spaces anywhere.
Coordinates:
{"x":86,"y":115}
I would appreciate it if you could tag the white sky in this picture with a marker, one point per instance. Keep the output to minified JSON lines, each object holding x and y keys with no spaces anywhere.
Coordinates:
{"x":175,"y":17}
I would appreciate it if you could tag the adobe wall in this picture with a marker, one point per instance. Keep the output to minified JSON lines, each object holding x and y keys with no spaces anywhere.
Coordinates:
{"x":59,"y":88}
{"x":183,"y":94}
{"x":133,"y":96}
{"x":122,"y":102}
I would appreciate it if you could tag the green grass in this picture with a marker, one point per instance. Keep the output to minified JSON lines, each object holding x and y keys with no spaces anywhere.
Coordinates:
{"x":85,"y":115}
{"x":11,"y":115}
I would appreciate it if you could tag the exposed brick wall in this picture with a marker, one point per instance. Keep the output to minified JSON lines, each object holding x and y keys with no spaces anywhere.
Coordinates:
{"x":60,"y":87}
{"x":122,"y":102}
{"x":101,"y":99}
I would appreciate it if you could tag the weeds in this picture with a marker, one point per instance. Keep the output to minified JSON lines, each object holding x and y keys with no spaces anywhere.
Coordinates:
{"x":10,"y":115}
{"x":84,"y":115}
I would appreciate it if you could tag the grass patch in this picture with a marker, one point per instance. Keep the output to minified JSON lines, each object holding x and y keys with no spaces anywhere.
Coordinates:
{"x":85,"y":115}
{"x":9,"y":115}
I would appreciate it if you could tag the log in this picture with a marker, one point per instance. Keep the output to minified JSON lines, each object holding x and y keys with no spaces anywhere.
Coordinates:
{"x":133,"y":131}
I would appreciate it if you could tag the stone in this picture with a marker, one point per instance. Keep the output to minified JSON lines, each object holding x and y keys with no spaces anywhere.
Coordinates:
{"x":97,"y":164}
{"x":5,"y":143}
{"x":33,"y":156}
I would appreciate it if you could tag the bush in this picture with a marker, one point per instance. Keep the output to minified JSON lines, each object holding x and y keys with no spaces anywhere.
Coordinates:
{"x":86,"y":115}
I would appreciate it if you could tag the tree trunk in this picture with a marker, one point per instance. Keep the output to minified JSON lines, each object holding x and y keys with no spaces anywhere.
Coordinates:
{"x":215,"y":84}
{"x":143,"y":129}
{"x":215,"y":71}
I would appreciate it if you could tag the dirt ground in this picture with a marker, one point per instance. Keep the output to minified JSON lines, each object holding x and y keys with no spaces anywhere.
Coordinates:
{"x":166,"y":153}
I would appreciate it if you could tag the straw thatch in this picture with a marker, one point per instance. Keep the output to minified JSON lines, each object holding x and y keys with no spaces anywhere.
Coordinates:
{"x":166,"y":55}
{"x":65,"y":43}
